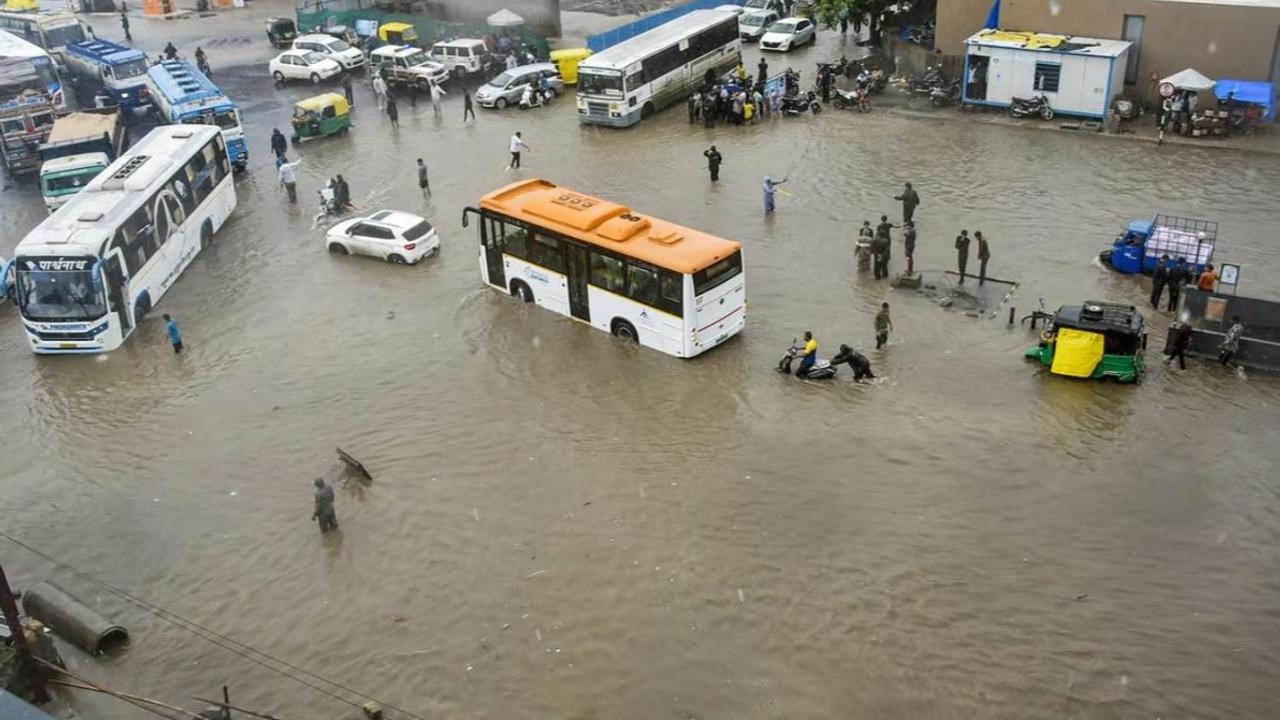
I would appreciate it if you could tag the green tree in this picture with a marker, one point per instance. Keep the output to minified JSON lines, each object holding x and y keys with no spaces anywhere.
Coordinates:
{"x":830,"y":11}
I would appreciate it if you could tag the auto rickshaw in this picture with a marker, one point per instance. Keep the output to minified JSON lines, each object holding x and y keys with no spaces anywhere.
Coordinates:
{"x":567,"y":60}
{"x":327,"y":114}
{"x":281,"y":32}
{"x":344,"y":33}
{"x":398,"y":33}
{"x":1095,"y":340}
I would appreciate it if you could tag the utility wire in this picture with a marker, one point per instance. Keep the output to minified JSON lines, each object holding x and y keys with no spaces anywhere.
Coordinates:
{"x":211,"y":636}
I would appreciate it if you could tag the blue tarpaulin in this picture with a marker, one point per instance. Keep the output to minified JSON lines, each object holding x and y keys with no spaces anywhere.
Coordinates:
{"x":993,"y":17}
{"x":1250,"y":91}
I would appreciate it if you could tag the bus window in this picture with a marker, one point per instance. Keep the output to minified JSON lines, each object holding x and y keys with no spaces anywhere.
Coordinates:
{"x":176,"y":211}
{"x":672,"y":292}
{"x":546,"y":251}
{"x":710,"y":277}
{"x":607,"y":273}
{"x":642,"y":285}
{"x":162,"y":223}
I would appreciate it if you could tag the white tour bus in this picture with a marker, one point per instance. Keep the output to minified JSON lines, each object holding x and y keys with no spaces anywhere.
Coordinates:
{"x":637,"y":77}
{"x":87,"y":275}
{"x":640,"y":278}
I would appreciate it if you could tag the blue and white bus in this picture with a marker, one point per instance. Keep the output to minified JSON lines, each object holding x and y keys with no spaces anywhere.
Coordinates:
{"x":182,"y":95}
{"x":120,"y":71}
{"x":86,"y":276}
{"x":25,"y":65}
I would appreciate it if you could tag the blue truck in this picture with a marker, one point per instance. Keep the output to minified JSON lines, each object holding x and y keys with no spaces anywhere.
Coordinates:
{"x":117,"y":74}
{"x":182,"y":95}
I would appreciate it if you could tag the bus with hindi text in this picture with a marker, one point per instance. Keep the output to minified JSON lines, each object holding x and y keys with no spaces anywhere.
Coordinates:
{"x":665,"y":286}
{"x":90,"y":272}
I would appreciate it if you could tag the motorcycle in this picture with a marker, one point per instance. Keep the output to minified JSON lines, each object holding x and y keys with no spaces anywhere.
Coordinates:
{"x":328,"y":204}
{"x":924,"y":84}
{"x":948,"y":95}
{"x":797,"y":105}
{"x":846,"y":99}
{"x":872,"y":81}
{"x":821,"y":369}
{"x":791,"y":80}
{"x":1028,"y":107}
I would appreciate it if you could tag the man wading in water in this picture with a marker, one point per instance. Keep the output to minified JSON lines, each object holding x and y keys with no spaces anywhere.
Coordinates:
{"x":324,"y":511}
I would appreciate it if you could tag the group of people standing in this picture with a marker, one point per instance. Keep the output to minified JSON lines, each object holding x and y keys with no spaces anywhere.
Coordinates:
{"x":1173,"y":274}
{"x":736,"y":101}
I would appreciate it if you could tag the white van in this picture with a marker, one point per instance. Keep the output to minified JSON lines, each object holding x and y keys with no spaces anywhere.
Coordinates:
{"x":464,"y":56}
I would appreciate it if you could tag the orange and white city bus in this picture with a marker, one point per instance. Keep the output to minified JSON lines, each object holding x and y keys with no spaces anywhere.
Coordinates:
{"x":662,"y":285}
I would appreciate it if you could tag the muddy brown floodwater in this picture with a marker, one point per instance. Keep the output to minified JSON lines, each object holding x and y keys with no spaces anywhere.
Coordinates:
{"x":562,"y":526}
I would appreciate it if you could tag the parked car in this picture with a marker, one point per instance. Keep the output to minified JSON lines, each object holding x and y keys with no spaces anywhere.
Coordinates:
{"x":464,"y":56}
{"x":303,"y":65}
{"x":506,"y":89}
{"x":787,"y":34}
{"x":751,"y":25}
{"x":775,"y":5}
{"x":331,"y":47}
{"x":407,"y":66}
{"x":397,"y":237}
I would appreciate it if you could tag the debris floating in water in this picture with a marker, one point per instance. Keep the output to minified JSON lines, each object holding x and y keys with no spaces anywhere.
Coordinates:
{"x":475,"y":514}
{"x":741,"y":597}
{"x":534,"y":574}
{"x":537,"y":632}
{"x":354,"y":464}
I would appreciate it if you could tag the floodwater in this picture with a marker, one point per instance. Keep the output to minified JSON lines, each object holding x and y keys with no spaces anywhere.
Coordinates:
{"x":563,"y":526}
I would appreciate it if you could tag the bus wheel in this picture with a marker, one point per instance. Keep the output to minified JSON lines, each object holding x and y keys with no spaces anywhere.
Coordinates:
{"x":647,"y":110}
{"x":521,"y":292}
{"x":625,"y":330}
{"x":206,"y":234}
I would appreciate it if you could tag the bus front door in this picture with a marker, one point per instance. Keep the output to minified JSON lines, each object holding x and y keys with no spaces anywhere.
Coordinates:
{"x":493,"y":243}
{"x":579,"y":266}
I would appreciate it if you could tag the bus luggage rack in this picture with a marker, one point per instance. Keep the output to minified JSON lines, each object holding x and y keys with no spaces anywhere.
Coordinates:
{"x":130,"y":167}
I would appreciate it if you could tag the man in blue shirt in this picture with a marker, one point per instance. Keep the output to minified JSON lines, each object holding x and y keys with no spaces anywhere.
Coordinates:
{"x":175,"y":337}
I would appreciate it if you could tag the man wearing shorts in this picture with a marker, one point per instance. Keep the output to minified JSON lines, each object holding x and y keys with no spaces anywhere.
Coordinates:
{"x":423,"y":183}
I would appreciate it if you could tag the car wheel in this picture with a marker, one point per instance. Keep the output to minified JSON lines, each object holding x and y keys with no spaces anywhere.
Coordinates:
{"x":315,"y":78}
{"x":626,"y":331}
{"x":338,"y":249}
{"x":554,"y":92}
{"x":395,"y":259}
{"x":521,"y":292}
{"x":501,"y":103}
{"x":279,"y":76}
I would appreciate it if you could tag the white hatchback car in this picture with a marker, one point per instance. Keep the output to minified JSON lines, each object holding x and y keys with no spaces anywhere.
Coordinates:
{"x":303,"y":65}
{"x":331,"y":47}
{"x":397,"y":237}
{"x":787,"y":34}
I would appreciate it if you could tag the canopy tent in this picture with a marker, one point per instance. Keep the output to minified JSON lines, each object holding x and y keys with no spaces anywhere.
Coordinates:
{"x":1249,"y":91}
{"x":1189,"y":79}
{"x":504,"y":18}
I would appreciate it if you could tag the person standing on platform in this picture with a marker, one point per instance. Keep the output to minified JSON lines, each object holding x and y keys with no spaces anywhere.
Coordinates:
{"x":909,"y":244}
{"x":984,"y":254}
{"x":962,"y":252}
{"x":910,"y":200}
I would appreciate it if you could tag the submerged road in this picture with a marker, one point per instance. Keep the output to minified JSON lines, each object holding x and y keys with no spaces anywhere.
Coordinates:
{"x":563,"y":526}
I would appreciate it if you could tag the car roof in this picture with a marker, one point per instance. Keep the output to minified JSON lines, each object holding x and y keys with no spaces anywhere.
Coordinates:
{"x":530,"y":68}
{"x":315,"y":37}
{"x":762,"y":12}
{"x":461,"y":42}
{"x":395,"y":218}
{"x":396,"y":50}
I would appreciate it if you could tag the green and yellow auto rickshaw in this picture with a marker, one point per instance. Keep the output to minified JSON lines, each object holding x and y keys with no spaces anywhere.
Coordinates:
{"x":1095,"y":340}
{"x":327,"y":114}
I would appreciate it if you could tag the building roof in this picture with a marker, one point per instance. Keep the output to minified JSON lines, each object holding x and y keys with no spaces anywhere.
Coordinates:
{"x":609,"y":225}
{"x":1049,"y":43}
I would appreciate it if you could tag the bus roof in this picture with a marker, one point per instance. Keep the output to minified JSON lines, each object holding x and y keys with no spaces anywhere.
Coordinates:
{"x":85,"y":224}
{"x":181,"y":83}
{"x":609,"y":225}
{"x":12,"y":46}
{"x":641,"y":46}
{"x":105,"y":51}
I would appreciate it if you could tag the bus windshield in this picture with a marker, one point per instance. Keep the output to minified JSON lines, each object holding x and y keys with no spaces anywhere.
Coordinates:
{"x":131,"y":69}
{"x":59,"y":295}
{"x":64,"y":35}
{"x":225,"y":119}
{"x":710,"y":277}
{"x":593,"y":83}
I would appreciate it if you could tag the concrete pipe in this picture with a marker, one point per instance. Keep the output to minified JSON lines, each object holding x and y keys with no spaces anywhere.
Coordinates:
{"x":72,"y":620}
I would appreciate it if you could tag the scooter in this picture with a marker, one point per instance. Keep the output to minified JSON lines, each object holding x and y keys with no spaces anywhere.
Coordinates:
{"x":797,"y":105}
{"x":328,"y":204}
{"x":873,"y":81}
{"x":821,"y":369}
{"x":533,"y":98}
{"x":948,"y":95}
{"x":1028,"y":107}
{"x":846,"y":99}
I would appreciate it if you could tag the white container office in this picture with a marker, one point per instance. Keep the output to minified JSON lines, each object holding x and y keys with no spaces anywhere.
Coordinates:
{"x":1078,"y":75}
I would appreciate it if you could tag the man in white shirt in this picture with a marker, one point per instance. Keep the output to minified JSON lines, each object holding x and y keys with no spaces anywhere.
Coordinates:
{"x":437,"y":92}
{"x":289,"y":178}
{"x":517,"y":144}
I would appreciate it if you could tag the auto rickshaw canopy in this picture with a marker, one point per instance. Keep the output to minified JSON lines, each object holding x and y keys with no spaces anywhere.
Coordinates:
{"x":317,"y":104}
{"x":404,"y":31}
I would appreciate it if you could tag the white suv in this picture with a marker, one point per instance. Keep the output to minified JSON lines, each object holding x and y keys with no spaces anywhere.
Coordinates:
{"x":333,"y":48}
{"x":397,"y":237}
{"x":464,"y":56}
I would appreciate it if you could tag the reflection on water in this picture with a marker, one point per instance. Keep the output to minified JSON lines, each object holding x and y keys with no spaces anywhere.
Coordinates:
{"x":564,"y":526}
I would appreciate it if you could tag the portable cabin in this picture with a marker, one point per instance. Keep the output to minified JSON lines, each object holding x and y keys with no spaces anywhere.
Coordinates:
{"x":1078,"y":75}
